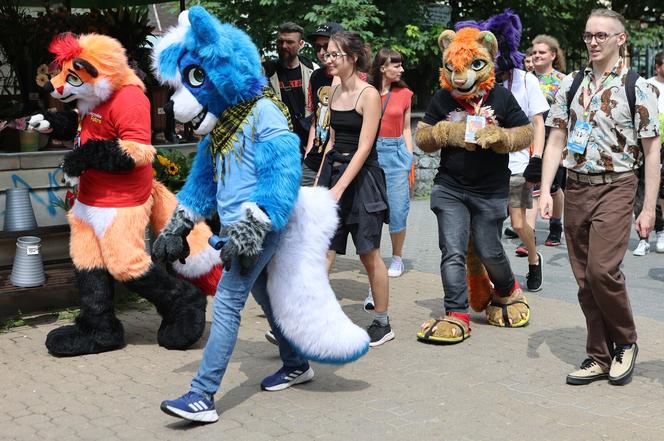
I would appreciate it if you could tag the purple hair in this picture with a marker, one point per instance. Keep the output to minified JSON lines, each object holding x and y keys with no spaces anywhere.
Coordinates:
{"x":506,"y":26}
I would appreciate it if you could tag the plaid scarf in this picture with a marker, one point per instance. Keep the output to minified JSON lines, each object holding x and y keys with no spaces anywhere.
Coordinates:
{"x":224,"y":136}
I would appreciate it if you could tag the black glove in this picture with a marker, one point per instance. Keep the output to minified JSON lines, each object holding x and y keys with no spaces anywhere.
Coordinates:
{"x":245,"y":239}
{"x":533,"y":172}
{"x":171,"y":244}
{"x":74,"y":163}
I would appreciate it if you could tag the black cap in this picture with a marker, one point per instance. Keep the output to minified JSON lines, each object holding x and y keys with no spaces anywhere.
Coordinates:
{"x":326,"y":30}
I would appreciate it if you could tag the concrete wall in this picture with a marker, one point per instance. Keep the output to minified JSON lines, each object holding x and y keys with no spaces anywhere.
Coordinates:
{"x":40,"y":172}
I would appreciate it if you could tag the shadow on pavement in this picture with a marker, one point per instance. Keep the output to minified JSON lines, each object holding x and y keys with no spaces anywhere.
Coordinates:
{"x":571,"y":352}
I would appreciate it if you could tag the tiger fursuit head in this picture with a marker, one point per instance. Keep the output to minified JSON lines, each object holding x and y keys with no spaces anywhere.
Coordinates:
{"x":117,"y":199}
{"x":248,"y":169}
{"x":468,"y":73}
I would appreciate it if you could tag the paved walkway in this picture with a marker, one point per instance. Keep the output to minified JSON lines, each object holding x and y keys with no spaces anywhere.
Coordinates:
{"x":501,"y":384}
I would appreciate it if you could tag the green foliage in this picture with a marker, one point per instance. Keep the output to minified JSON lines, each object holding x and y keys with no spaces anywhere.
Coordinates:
{"x":171,"y":168}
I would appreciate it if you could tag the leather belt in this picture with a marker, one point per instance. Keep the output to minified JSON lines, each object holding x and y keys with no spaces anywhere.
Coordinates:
{"x":599,"y":178}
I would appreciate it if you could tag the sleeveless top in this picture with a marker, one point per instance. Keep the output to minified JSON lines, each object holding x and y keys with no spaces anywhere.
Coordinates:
{"x":347,"y":125}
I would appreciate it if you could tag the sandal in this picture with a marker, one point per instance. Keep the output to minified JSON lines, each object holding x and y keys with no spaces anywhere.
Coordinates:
{"x":504,"y":303}
{"x":431,"y":332}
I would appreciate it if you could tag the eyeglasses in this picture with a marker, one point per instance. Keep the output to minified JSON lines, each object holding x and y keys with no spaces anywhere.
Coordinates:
{"x":319,"y":47}
{"x":327,"y":56}
{"x":599,"y":37}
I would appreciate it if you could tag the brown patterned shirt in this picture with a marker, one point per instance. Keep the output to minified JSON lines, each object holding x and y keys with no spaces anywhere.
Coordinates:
{"x":613,"y":143}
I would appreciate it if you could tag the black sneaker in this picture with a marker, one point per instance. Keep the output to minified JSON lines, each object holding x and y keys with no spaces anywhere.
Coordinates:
{"x":534,"y":278}
{"x":379,"y":334}
{"x":555,"y":233}
{"x":510,"y":233}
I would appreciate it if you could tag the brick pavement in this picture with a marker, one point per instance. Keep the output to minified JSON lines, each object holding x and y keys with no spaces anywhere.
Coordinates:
{"x":500,"y":384}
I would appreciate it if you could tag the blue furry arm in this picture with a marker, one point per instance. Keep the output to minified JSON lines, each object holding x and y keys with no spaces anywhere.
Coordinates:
{"x":198,"y":194}
{"x":279,"y":173}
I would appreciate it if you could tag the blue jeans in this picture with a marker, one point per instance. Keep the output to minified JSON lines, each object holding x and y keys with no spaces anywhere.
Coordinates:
{"x":458,"y":215}
{"x":229,"y":300}
{"x":396,"y":161}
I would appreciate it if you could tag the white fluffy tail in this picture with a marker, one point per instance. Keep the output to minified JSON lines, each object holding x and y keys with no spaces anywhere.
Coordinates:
{"x":304,"y":305}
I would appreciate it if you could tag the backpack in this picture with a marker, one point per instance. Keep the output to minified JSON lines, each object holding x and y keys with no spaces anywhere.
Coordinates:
{"x":630,"y":90}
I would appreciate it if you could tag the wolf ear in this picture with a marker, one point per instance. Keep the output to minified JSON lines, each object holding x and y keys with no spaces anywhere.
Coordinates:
{"x":203,"y":25}
{"x":488,"y":40}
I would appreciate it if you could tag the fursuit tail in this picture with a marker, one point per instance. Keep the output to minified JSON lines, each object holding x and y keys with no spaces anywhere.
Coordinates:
{"x":304,"y":305}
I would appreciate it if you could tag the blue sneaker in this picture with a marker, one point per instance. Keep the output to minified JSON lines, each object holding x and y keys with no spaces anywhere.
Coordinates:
{"x":191,"y":406}
{"x":287,"y":377}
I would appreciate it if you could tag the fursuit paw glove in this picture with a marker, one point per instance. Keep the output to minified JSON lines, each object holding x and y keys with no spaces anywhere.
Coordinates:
{"x":245,"y":238}
{"x":533,"y":172}
{"x":171,"y":244}
{"x":73,"y":165}
{"x":494,"y":138}
{"x":443,"y":134}
{"x":60,"y":125}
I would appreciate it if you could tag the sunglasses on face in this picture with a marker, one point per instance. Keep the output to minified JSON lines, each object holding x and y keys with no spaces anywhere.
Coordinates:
{"x":600,"y":37}
{"x":320,"y":47}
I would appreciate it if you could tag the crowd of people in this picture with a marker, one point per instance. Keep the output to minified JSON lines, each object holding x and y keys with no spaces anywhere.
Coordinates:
{"x":587,"y":161}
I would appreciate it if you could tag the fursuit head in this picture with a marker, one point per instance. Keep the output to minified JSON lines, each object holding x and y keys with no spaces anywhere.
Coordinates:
{"x":213,"y":66}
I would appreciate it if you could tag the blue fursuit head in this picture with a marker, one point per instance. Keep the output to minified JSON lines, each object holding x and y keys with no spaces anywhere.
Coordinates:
{"x":215,"y":69}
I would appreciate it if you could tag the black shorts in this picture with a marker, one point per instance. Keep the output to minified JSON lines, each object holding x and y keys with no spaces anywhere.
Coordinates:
{"x":366,"y":233}
{"x":559,"y":181}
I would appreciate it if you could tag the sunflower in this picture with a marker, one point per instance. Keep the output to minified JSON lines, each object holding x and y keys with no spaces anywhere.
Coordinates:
{"x":163,"y":160}
{"x":173,"y":169}
{"x":42,"y":70}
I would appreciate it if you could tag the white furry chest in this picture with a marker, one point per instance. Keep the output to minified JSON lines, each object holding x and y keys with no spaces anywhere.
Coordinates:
{"x":98,"y":217}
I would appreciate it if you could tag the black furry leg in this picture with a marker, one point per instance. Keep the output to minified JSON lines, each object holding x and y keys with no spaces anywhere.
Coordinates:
{"x":181,"y":305}
{"x":96,"y":328}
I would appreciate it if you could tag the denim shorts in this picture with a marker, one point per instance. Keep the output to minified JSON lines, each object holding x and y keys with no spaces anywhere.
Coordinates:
{"x":396,"y":161}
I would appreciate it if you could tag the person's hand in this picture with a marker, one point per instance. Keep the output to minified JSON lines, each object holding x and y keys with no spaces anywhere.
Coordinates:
{"x":546,"y":205}
{"x":645,"y":222}
{"x":337,"y":192}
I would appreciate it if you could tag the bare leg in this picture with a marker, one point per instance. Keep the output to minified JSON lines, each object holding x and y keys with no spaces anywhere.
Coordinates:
{"x":377,"y":272}
{"x":331,"y":255}
{"x":397,"y":242}
{"x":525,"y":232}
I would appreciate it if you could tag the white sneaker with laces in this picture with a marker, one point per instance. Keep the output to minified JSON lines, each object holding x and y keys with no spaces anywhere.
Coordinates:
{"x":396,"y":267}
{"x":660,"y":242}
{"x":642,"y":248}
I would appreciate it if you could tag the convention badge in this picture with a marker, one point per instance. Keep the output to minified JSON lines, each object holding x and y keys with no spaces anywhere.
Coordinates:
{"x":579,"y":140}
{"x":473,"y":124}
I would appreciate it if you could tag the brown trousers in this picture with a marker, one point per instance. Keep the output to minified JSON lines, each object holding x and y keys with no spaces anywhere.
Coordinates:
{"x":598,"y":220}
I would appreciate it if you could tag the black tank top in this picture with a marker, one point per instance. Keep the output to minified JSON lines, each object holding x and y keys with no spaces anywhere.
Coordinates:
{"x":347,"y":125}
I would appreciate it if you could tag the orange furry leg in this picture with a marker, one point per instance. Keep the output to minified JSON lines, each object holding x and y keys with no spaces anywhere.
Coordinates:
{"x":83,"y":245}
{"x":123,"y":243}
{"x":479,"y":285}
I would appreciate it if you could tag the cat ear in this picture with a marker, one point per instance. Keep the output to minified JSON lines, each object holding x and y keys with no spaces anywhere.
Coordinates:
{"x":445,"y":39}
{"x":488,"y":40}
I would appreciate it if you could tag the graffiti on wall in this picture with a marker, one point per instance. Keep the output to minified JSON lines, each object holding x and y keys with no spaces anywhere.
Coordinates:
{"x":50,"y":201}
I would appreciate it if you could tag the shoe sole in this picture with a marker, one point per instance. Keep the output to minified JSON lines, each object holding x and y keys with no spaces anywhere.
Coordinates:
{"x":305,"y":377}
{"x":539,"y":288}
{"x":393,"y":275}
{"x":269,"y":337}
{"x":552,"y":244}
{"x":580,"y":381}
{"x":208,"y":416}
{"x":627,"y":376}
{"x":387,"y":337}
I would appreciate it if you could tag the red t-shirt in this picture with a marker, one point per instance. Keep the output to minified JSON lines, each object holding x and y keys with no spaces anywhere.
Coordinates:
{"x":125,"y":116}
{"x":391,"y":124}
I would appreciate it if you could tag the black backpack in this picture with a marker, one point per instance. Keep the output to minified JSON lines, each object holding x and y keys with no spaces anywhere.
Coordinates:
{"x":630,"y":90}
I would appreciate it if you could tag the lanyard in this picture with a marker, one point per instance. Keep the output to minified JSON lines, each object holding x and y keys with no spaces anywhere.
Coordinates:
{"x":585,"y":90}
{"x":472,"y":108}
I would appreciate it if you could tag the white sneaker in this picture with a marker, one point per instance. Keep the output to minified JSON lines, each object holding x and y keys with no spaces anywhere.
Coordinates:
{"x":368,"y":302}
{"x":642,"y":248}
{"x":660,"y":242}
{"x":396,"y":267}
